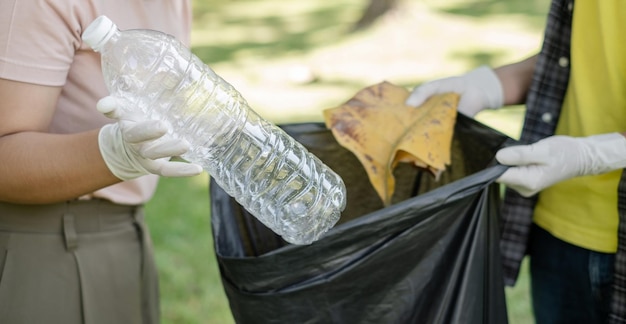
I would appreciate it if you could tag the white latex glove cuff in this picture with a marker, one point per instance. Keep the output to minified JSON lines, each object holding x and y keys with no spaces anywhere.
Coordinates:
{"x":609,"y":150}
{"x":557,"y":158}
{"x":114,"y":153}
{"x":488,"y":82}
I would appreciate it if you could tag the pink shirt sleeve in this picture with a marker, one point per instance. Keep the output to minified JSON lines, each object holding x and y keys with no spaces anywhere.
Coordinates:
{"x":38,"y":40}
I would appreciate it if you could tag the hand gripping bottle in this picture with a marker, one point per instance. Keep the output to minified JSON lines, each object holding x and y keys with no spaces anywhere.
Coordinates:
{"x":270,"y":174}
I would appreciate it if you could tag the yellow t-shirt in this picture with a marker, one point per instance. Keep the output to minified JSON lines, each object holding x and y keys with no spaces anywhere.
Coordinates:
{"x":583,"y":211}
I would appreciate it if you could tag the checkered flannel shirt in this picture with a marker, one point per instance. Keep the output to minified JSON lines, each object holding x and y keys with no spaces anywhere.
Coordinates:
{"x":543,"y":104}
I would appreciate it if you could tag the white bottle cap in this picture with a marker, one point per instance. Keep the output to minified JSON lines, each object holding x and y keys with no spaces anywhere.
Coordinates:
{"x":99,"y":32}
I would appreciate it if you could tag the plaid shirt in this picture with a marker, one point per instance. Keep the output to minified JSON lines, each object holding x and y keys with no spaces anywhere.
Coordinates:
{"x":543,"y":105}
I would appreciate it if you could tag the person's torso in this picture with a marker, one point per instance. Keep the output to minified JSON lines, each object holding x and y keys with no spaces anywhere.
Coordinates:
{"x":583,"y":210}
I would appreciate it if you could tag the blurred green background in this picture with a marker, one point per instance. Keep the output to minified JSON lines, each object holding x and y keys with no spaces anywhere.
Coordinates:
{"x":293,"y":59}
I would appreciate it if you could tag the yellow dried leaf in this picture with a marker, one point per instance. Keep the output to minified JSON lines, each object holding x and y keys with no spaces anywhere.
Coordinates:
{"x":382,"y":131}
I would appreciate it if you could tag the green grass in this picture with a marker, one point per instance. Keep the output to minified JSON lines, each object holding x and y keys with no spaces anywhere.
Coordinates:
{"x":291,"y":60}
{"x":179,"y":219}
{"x":518,"y":300}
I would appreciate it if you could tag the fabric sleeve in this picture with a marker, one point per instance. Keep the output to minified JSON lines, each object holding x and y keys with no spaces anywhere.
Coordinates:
{"x":38,"y":39}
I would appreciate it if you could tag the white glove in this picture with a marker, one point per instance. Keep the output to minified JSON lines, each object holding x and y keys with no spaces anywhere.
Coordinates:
{"x":557,"y":158}
{"x":132,"y":147}
{"x":479,"y":89}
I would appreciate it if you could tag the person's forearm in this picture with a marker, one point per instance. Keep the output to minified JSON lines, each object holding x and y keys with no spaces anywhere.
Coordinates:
{"x":515,"y":79}
{"x":39,"y":168}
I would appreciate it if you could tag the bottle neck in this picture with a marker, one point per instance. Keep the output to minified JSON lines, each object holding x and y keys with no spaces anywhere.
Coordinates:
{"x":111,"y":37}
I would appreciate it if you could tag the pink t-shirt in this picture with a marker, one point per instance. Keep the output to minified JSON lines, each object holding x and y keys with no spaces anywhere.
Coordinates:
{"x":40,"y":43}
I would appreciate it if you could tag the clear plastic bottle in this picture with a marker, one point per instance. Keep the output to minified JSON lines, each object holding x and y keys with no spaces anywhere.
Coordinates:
{"x":270,"y":174}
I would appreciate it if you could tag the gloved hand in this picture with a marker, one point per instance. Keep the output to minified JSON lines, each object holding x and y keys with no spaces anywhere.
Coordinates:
{"x":557,"y":158}
{"x":479,"y":89}
{"x":132,"y":147}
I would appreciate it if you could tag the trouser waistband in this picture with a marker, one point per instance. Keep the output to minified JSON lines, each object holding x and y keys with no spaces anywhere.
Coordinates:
{"x":87,"y":216}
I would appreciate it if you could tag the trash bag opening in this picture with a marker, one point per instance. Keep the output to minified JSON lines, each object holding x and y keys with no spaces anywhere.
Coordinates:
{"x":473,"y":149}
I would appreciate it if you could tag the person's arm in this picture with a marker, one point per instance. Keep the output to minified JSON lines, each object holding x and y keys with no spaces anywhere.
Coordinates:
{"x":482,"y":88}
{"x":39,"y":167}
{"x":515,"y":80}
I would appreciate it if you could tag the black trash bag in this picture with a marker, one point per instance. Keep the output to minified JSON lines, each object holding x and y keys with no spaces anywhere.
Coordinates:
{"x":430,"y":257}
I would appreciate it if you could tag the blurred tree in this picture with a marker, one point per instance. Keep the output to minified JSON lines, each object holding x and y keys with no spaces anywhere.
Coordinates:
{"x":374,"y":10}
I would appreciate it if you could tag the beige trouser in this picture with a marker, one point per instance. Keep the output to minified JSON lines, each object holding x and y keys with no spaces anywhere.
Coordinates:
{"x":76,"y":262}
